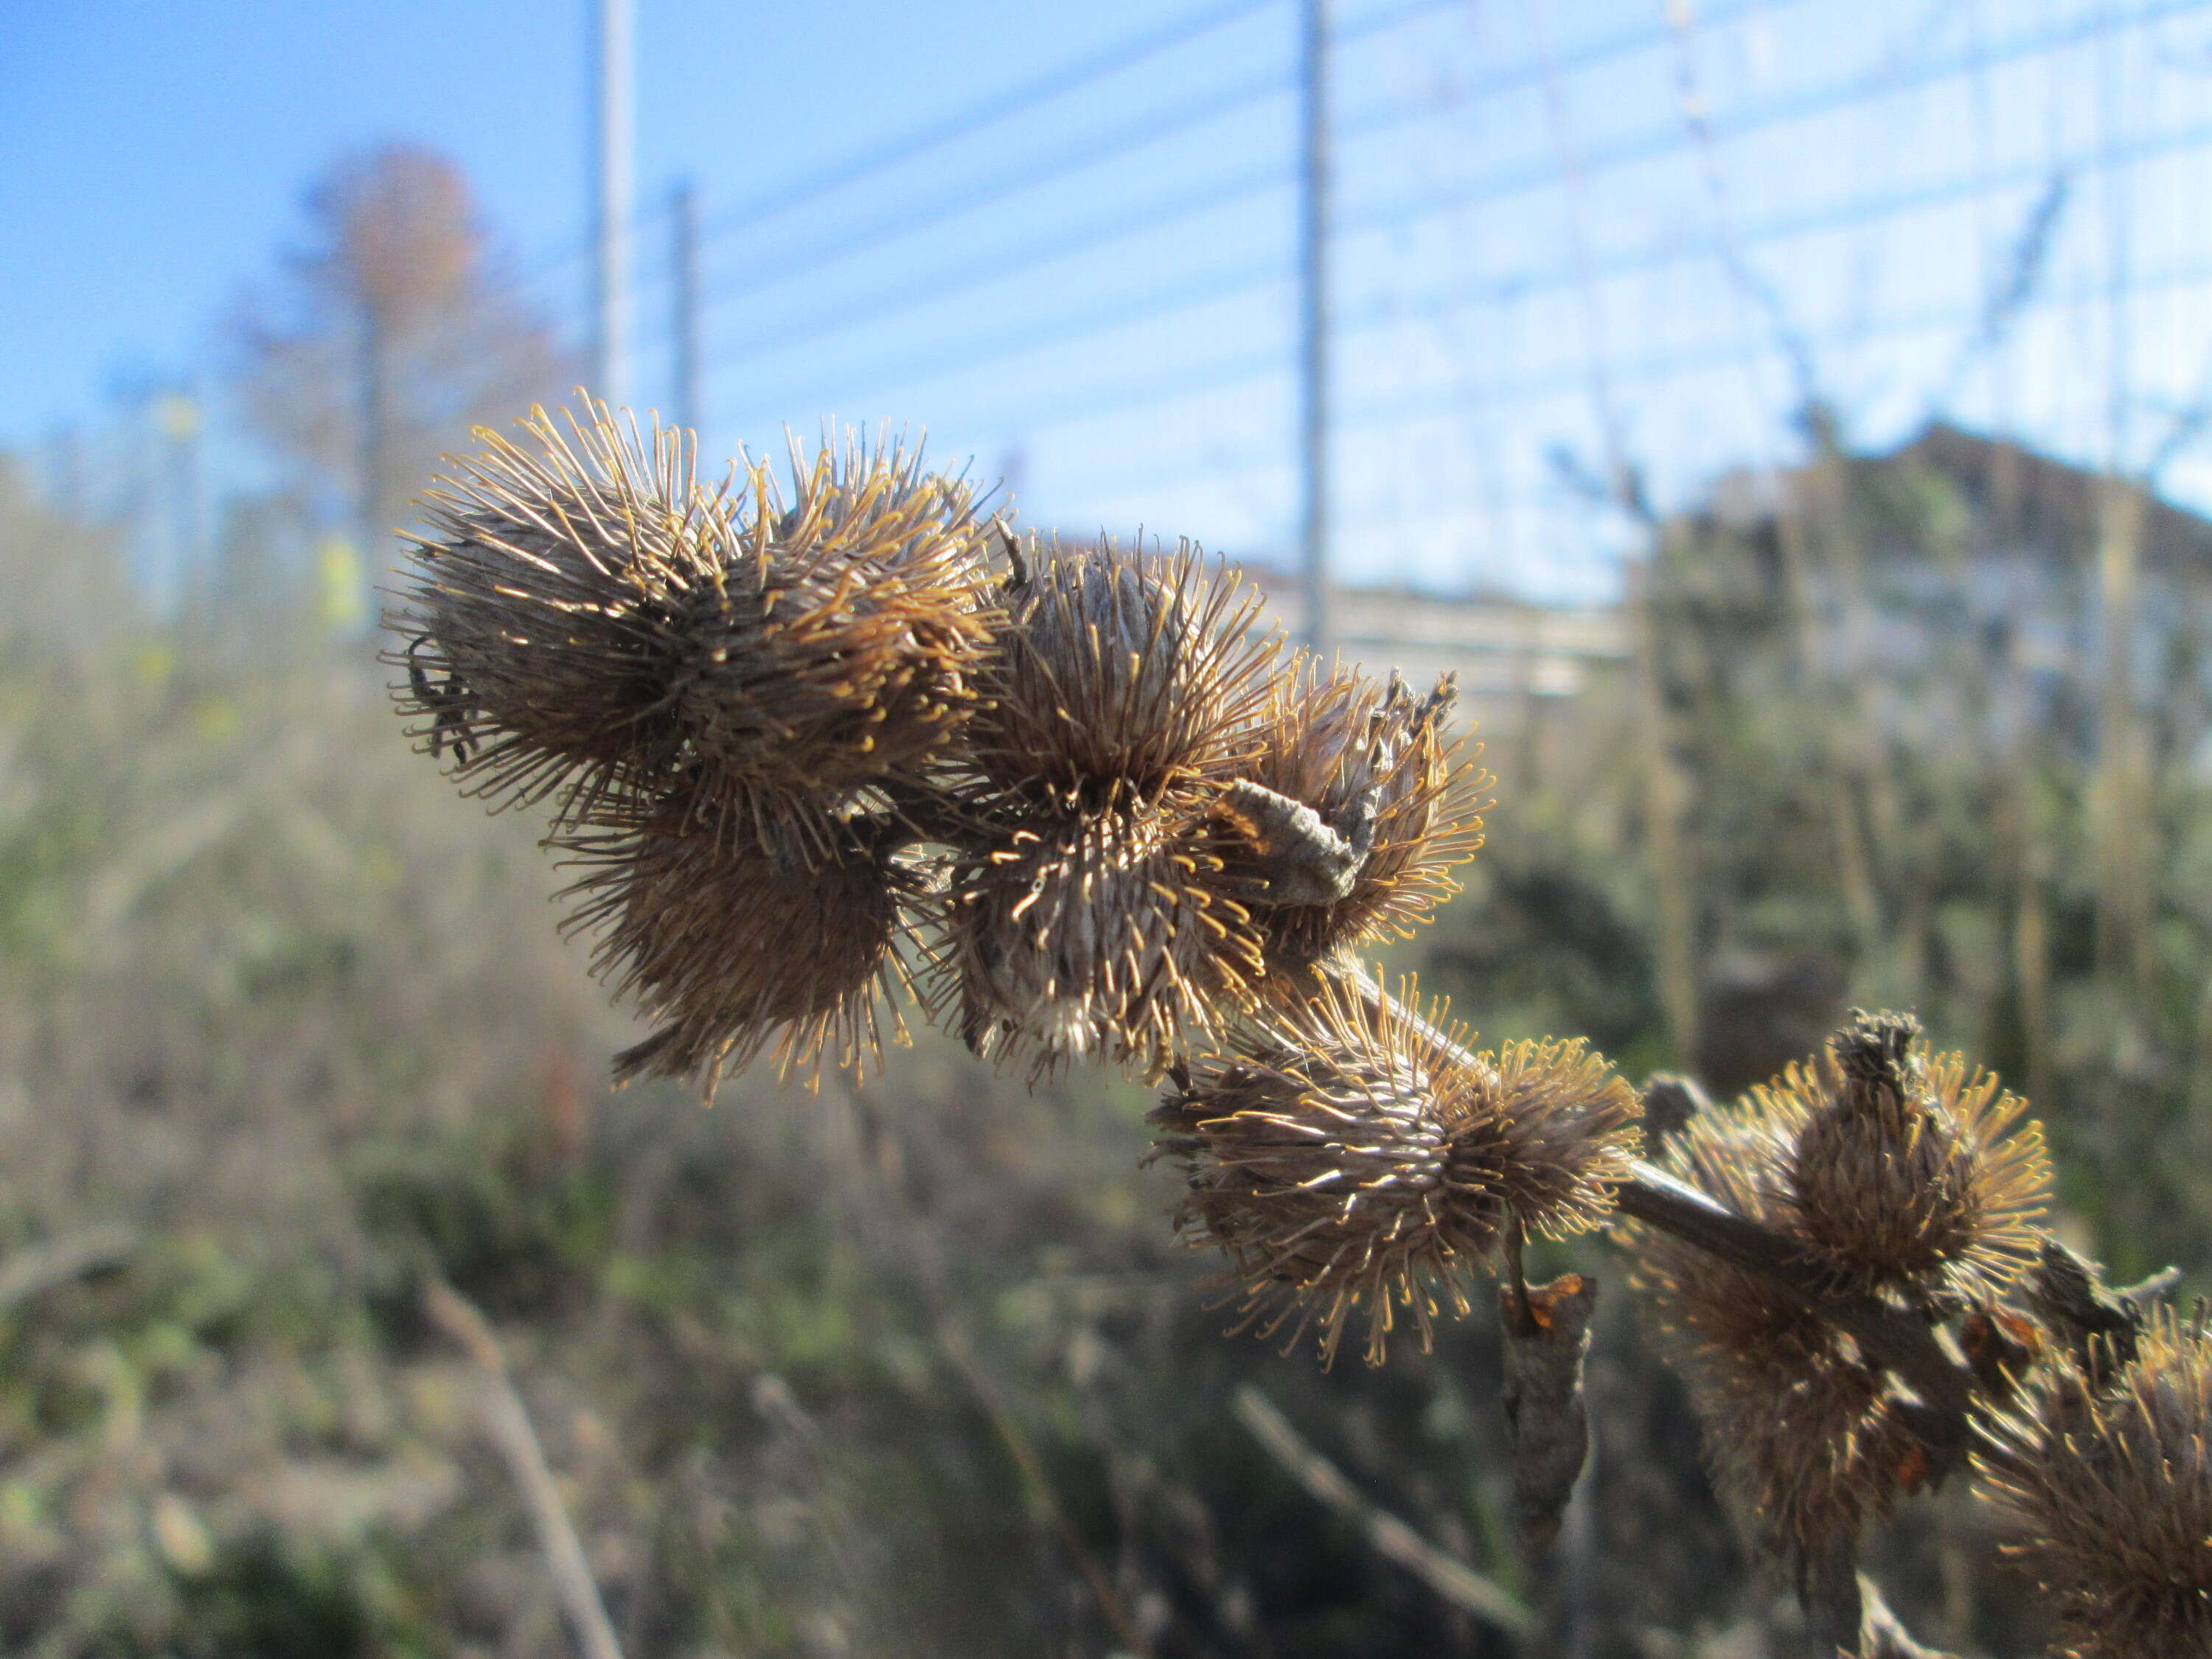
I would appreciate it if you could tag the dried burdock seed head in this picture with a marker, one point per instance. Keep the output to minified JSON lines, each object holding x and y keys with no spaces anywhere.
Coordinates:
{"x":1802,"y":1436}
{"x":1910,"y":1174}
{"x":1120,"y":677}
{"x":1373,"y":766}
{"x":736,"y":948}
{"x":1094,"y":937}
{"x":585,"y":611}
{"x":874,"y":616}
{"x":2104,"y":1499}
{"x":537,"y":621}
{"x":1348,"y":1154}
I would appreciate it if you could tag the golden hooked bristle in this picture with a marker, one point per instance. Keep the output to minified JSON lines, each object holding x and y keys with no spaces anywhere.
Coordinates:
{"x":2103,"y":1494}
{"x":1119,"y":676}
{"x":1094,"y":937}
{"x":736,"y":947}
{"x":587,"y":613}
{"x":1346,"y":1154}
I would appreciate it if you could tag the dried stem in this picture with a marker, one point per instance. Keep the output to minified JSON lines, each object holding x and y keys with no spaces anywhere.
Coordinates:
{"x":35,"y":1269}
{"x":1449,"y":1577}
{"x":518,"y":1445}
{"x":1038,"y":1480}
{"x":1894,"y":1338}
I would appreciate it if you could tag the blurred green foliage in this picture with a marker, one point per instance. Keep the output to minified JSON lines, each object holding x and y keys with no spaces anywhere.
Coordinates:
{"x":913,"y":1367}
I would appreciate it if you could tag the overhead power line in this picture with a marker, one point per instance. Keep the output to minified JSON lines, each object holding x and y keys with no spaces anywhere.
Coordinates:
{"x":991,"y":343}
{"x":1563,"y":380}
{"x":1653,"y":143}
{"x":1154,"y":125}
{"x":977,"y":117}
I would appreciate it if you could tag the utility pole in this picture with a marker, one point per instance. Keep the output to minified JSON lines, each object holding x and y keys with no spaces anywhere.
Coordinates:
{"x":369,"y":460}
{"x":1313,"y":319}
{"x":610,"y":209}
{"x":683,"y":314}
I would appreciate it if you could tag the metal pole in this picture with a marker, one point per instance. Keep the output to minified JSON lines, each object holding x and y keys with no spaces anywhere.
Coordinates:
{"x":684,"y":316}
{"x":611,"y":205}
{"x":369,"y":461}
{"x":1313,"y":251}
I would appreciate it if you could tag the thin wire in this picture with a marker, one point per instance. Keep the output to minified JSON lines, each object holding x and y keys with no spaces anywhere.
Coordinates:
{"x":1655,"y":144}
{"x":908,"y":293}
{"x":1149,"y":128}
{"x":1154,"y":125}
{"x":991,"y":345}
{"x":1870,"y":207}
{"x":935,"y":135}
{"x":1541,"y":387}
{"x":1665,"y":138}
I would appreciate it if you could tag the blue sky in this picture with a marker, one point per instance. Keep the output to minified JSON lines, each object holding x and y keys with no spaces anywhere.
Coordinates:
{"x":1548,"y":208}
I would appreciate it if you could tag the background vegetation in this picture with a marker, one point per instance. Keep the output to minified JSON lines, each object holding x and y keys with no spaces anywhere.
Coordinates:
{"x":287,"y":1036}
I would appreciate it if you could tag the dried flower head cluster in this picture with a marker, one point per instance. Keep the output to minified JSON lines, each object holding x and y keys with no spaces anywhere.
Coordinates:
{"x":1910,"y":1174}
{"x":1347,"y":1154}
{"x":1144,"y":861}
{"x":1119,"y":698}
{"x":1122,"y":678}
{"x":2104,"y":1499}
{"x":593,"y":614}
{"x":706,"y":679}
{"x":1891,"y":1173}
{"x":751,"y":719}
{"x":1081,"y":798}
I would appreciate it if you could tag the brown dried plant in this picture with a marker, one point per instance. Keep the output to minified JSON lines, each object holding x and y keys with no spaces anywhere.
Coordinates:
{"x":1346,"y":1153}
{"x":1802,"y":1431}
{"x":1120,"y":678}
{"x":1374,"y":764}
{"x":788,"y":744}
{"x":2103,"y":1496}
{"x":591,"y":614}
{"x":1098,"y":936}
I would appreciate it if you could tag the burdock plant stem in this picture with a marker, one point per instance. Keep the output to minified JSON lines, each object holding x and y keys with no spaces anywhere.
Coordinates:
{"x":1893,"y":1338}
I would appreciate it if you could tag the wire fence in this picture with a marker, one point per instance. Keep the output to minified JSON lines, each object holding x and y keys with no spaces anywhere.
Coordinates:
{"x":1653,"y":229}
